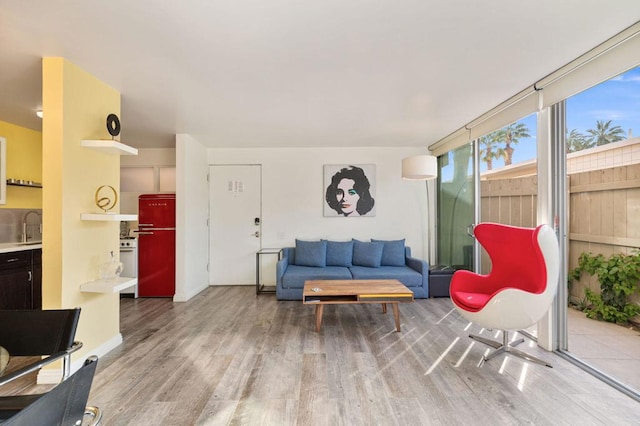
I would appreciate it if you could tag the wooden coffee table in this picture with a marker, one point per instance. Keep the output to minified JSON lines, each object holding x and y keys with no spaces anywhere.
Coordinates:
{"x":341,"y":292}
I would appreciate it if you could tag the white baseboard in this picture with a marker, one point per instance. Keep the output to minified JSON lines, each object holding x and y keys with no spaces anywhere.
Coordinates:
{"x":53,"y":376}
{"x":180,"y":297}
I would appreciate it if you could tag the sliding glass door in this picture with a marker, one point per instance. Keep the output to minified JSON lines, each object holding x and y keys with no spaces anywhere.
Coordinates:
{"x":456,"y":208}
{"x":590,"y":154}
{"x":603,"y":165}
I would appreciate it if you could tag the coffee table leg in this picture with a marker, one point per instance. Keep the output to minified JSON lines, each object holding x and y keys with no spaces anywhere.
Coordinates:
{"x":319,"y":309}
{"x":384,"y":308}
{"x":396,"y":315}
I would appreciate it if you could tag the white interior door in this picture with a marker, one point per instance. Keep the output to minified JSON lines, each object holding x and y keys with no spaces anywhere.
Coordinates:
{"x":235,"y":223}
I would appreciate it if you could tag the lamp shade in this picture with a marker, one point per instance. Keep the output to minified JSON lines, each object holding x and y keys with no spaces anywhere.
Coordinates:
{"x":420,"y":167}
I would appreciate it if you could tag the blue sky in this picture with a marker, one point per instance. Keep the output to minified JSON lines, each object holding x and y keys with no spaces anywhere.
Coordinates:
{"x":617,"y":99}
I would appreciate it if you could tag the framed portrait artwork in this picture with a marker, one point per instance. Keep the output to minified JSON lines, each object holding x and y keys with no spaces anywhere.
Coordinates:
{"x":349,"y":190}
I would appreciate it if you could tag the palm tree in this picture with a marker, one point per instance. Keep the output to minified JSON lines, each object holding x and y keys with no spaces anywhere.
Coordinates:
{"x":576,"y":141}
{"x":604,"y":134}
{"x":488,"y":149}
{"x":511,"y":135}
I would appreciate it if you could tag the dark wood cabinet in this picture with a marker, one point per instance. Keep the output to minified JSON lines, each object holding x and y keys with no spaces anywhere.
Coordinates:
{"x":21,"y":280}
{"x":37,"y":278}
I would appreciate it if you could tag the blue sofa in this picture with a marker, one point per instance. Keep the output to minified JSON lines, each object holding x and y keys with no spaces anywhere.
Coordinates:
{"x":346,"y":260}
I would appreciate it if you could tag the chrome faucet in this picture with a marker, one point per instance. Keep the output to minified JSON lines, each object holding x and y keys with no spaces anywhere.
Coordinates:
{"x":25,"y":235}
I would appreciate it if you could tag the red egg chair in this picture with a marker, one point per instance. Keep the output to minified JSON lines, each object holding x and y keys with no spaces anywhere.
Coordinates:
{"x":518,"y":290}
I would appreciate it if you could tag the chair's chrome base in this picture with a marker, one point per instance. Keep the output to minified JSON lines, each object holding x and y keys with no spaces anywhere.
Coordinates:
{"x":95,"y":415}
{"x":506,"y":347}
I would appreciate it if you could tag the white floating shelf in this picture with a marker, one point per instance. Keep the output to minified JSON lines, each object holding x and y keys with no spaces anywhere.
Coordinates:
{"x":109,"y":146}
{"x":108,"y":286}
{"x":108,"y":217}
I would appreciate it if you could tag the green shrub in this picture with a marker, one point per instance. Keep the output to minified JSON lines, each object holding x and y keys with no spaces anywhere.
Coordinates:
{"x":618,"y":276}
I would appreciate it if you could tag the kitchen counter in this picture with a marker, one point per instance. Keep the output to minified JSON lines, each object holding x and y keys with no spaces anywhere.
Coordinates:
{"x":10,"y":247}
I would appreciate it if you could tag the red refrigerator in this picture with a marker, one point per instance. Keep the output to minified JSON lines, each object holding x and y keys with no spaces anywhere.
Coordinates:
{"x":157,"y":245}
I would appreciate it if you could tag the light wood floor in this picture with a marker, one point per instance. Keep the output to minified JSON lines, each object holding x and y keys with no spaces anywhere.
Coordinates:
{"x":228,"y":357}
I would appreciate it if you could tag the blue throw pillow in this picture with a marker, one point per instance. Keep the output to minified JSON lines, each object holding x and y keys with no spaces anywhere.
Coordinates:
{"x":393,"y":252}
{"x":339,"y":253}
{"x":311,"y":253}
{"x":367,"y":254}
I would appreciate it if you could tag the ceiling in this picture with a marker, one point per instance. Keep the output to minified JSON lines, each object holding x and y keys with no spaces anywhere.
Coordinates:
{"x":296,"y":73}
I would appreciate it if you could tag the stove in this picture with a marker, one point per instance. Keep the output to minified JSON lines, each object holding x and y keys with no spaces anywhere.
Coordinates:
{"x":129,"y":259}
{"x":126,"y":243}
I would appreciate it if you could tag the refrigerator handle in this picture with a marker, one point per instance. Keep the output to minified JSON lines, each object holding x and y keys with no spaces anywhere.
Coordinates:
{"x":145,"y":233}
{"x":145,"y":224}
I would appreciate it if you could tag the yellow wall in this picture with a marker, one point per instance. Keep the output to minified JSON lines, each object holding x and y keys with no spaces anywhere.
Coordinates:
{"x":75,"y":106}
{"x":24,"y":161}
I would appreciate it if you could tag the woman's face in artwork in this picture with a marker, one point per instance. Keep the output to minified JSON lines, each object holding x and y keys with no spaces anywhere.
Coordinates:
{"x":347,"y":197}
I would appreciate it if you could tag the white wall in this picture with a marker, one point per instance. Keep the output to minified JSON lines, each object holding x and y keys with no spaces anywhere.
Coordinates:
{"x":293,"y":194}
{"x":192,"y":213}
{"x":150,"y":157}
{"x":153,"y":158}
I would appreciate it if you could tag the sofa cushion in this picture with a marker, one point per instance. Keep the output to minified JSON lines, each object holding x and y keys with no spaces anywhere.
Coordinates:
{"x":392,"y":253}
{"x":297,"y":275}
{"x":367,"y":254}
{"x":404,"y":274}
{"x":311,"y":253}
{"x":339,"y":253}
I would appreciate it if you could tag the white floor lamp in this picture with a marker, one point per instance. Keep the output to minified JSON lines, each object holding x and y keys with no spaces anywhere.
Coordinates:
{"x":422,"y":167}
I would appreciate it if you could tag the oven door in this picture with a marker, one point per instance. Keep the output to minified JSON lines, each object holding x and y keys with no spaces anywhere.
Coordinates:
{"x":129,"y":259}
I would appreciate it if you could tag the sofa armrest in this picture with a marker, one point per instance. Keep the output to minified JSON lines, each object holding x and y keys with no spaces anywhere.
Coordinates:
{"x":420,"y":266}
{"x":281,"y":266}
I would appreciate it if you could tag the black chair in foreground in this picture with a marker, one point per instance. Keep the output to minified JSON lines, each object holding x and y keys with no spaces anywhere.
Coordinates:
{"x":66,"y":404}
{"x":49,"y":333}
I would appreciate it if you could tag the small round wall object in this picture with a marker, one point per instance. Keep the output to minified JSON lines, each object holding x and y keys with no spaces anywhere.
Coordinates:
{"x":113,"y":125}
{"x":108,"y":201}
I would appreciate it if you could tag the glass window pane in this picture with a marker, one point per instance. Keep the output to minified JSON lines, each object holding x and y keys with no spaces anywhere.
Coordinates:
{"x":508,"y":177}
{"x":603,"y":164}
{"x":456,"y":208}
